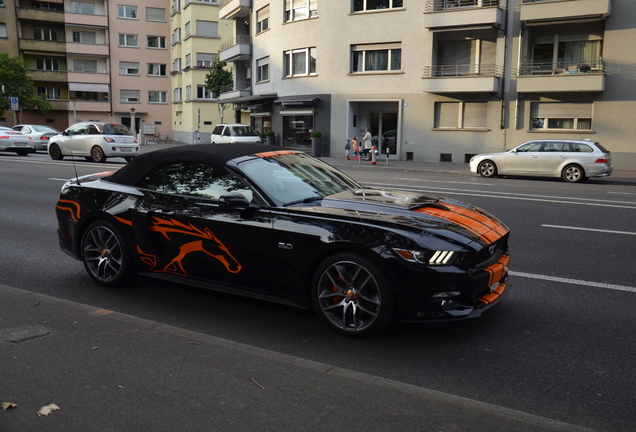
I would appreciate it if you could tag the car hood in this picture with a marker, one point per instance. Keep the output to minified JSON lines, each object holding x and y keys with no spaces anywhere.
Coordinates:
{"x":416,"y":212}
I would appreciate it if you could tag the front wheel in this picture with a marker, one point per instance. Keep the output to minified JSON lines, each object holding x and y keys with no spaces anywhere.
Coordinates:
{"x":487,"y":169}
{"x":352,"y":296}
{"x":168,"y":140}
{"x":573,"y":174}
{"x":97,"y":154}
{"x":55,"y":152}
{"x":156,"y":140}
{"x":105,"y":255}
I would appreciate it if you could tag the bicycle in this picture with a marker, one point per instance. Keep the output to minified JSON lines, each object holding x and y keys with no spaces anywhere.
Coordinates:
{"x":158,"y":138}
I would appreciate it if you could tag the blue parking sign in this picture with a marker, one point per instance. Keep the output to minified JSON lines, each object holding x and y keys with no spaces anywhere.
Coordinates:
{"x":14,"y":104}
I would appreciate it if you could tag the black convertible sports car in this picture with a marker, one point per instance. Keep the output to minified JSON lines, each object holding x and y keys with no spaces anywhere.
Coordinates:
{"x":281,"y":225}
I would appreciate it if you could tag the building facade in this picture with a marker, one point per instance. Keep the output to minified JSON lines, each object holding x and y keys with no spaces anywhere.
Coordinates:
{"x":435,"y":80}
{"x":93,"y":60}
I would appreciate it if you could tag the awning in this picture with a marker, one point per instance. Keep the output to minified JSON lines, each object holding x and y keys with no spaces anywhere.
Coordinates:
{"x":55,"y":1}
{"x":88,"y":87}
{"x":296,"y":101}
{"x":45,"y":53}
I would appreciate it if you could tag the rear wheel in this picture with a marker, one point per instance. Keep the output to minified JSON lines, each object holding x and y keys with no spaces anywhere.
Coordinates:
{"x":105,"y":255}
{"x":168,"y":140}
{"x":97,"y":154}
{"x":156,"y":140}
{"x":573,"y":174}
{"x":55,"y":152}
{"x":487,"y":169}
{"x":352,"y":296}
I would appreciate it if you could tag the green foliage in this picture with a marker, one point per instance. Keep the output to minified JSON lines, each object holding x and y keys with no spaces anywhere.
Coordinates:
{"x":316,"y":134}
{"x":218,"y":77}
{"x":16,"y":82}
{"x":270,"y":133}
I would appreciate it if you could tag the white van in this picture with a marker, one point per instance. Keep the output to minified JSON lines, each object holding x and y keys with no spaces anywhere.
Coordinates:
{"x":234,"y":133}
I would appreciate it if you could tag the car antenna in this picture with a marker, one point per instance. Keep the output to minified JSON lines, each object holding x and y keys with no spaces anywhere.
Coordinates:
{"x":75,"y":168}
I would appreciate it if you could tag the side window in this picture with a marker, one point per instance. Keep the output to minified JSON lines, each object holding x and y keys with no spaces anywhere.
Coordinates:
{"x":217,"y":130}
{"x":92,"y":130}
{"x":585,"y":148}
{"x":226,"y":131}
{"x":77,"y":130}
{"x":194,"y":179}
{"x":530,"y":147}
{"x":553,"y":146}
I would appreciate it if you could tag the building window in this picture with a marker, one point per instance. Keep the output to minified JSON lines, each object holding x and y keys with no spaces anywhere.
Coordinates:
{"x":156,"y":69}
{"x":177,"y":94}
{"x":158,"y":42}
{"x":207,"y":29}
{"x":176,"y":36}
{"x":465,"y":56}
{"x":124,"y":11}
{"x":562,"y":53}
{"x":365,"y":5}
{"x":176,"y":65}
{"x":376,"y":57}
{"x":561,"y":116}
{"x":85,"y":66}
{"x":188,"y":61}
{"x":129,"y":68}
{"x":262,"y":19}
{"x":47,"y":64}
{"x":461,"y":115}
{"x":262,"y":69}
{"x":300,"y":62}
{"x":129,"y":40}
{"x":49,"y":92}
{"x":157,"y":97}
{"x":155,"y":14}
{"x":45,"y":34}
{"x":204,"y":93}
{"x":205,"y":60}
{"x":186,"y":30}
{"x":188,"y":93}
{"x":176,"y":6}
{"x":3,"y":30}
{"x":297,"y":129}
{"x":129,"y":96}
{"x":82,"y":7}
{"x":84,"y":37}
{"x":300,"y":9}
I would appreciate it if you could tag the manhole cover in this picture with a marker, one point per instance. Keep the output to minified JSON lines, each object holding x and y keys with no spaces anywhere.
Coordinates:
{"x":23,"y":333}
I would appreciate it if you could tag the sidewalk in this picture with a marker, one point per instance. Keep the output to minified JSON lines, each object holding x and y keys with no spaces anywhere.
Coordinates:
{"x":622,"y":177}
{"x":112,"y":372}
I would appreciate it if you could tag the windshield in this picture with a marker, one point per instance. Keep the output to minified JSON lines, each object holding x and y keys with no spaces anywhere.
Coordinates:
{"x":116,"y":129}
{"x":296,"y":177}
{"x":243,"y":131}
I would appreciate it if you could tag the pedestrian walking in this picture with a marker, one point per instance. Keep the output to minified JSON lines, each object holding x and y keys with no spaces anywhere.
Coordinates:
{"x":347,"y":148}
{"x":367,"y":143}
{"x":355,"y":146}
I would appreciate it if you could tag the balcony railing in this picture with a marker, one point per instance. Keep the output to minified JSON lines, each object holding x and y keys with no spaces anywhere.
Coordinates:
{"x":449,"y":5}
{"x":466,"y":70}
{"x":563,"y":68}
{"x":237,"y":86}
{"x":238,"y":40}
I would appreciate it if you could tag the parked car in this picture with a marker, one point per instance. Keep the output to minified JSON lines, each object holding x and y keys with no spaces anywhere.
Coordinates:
{"x":39,"y":134}
{"x":572,"y":160}
{"x":96,"y":141}
{"x":14,"y":141}
{"x":234,"y":133}
{"x":253,"y":220}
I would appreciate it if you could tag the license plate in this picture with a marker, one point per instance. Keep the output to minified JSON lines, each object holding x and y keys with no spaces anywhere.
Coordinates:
{"x":21,"y":144}
{"x":125,"y":149}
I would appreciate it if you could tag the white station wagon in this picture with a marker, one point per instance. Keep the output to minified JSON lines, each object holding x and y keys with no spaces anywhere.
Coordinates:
{"x":95,"y":141}
{"x":572,"y":160}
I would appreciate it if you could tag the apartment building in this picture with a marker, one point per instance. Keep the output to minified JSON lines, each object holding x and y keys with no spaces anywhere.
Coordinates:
{"x":435,"y":80}
{"x":94,"y":60}
{"x":196,"y":37}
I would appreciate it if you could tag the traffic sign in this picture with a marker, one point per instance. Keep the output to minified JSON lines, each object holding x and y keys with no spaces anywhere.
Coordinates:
{"x":14,"y":104}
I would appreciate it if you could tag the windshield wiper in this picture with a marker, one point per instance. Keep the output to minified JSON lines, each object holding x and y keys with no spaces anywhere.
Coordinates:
{"x":304,"y":200}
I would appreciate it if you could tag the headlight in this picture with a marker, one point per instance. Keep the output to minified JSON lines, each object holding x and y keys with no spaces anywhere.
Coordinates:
{"x":435,"y":258}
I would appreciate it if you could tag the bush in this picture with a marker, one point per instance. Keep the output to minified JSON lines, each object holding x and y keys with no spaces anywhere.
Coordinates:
{"x":270,"y":133}
{"x":316,"y":134}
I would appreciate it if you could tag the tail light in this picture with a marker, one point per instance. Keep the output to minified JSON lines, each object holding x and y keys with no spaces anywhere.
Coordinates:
{"x":602,"y":160}
{"x":109,"y":139}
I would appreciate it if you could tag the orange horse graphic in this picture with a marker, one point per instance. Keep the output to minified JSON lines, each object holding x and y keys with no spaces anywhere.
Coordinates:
{"x":208,"y":244}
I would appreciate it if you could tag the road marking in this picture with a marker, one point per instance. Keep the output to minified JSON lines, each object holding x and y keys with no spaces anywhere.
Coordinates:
{"x":575,"y":281}
{"x":442,"y":181}
{"x":589,"y":229}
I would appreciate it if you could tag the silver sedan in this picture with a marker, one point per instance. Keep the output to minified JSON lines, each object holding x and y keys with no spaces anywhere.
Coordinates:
{"x":40,"y":134}
{"x":14,"y":141}
{"x":572,"y":160}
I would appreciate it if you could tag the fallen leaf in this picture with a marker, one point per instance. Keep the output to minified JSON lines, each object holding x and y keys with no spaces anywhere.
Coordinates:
{"x":47,"y":409}
{"x":8,"y":405}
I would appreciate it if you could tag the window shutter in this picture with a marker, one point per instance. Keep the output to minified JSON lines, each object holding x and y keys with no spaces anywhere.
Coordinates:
{"x":561,"y":110}
{"x":475,"y":114}
{"x":155,"y":14}
{"x":446,"y":114}
{"x":207,"y":28}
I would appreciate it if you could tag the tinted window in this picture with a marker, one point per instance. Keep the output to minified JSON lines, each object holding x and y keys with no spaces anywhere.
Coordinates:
{"x":92,"y":130}
{"x":194,"y":179}
{"x":553,"y":146}
{"x":530,"y":147}
{"x":116,"y":129}
{"x":217,"y":130}
{"x":581,"y":148}
{"x":244,"y":131}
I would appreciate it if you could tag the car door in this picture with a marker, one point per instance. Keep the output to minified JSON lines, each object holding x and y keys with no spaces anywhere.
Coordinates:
{"x":183,"y":230}
{"x":523,"y":160}
{"x":551,"y":157}
{"x":73,"y":143}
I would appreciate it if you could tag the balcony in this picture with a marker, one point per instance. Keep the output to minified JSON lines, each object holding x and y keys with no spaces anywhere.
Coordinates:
{"x":86,"y":19}
{"x":40,"y":15}
{"x":89,"y":77}
{"x":236,"y":49}
{"x":48,"y":75}
{"x":462,"y":79}
{"x":439,"y":14}
{"x":561,"y":77}
{"x":236,"y":90}
{"x":230,"y":9}
{"x":40,"y":45}
{"x":87,"y":49}
{"x":80,"y":105}
{"x":551,"y":10}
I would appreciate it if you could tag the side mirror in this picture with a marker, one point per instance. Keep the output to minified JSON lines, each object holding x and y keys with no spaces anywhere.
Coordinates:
{"x":65,"y":133}
{"x":234,"y":200}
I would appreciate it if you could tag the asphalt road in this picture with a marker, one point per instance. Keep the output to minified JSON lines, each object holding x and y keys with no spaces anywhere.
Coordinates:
{"x":561,"y":346}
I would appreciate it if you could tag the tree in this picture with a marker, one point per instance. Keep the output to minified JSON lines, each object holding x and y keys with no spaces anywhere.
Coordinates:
{"x":16,"y":83}
{"x":218,"y":78}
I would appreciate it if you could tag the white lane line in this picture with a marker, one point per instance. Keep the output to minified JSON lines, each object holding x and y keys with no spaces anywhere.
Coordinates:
{"x":589,"y":229}
{"x":575,"y":282}
{"x":441,"y":181}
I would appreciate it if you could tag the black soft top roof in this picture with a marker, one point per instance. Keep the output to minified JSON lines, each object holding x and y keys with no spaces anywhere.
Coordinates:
{"x":216,"y":154}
